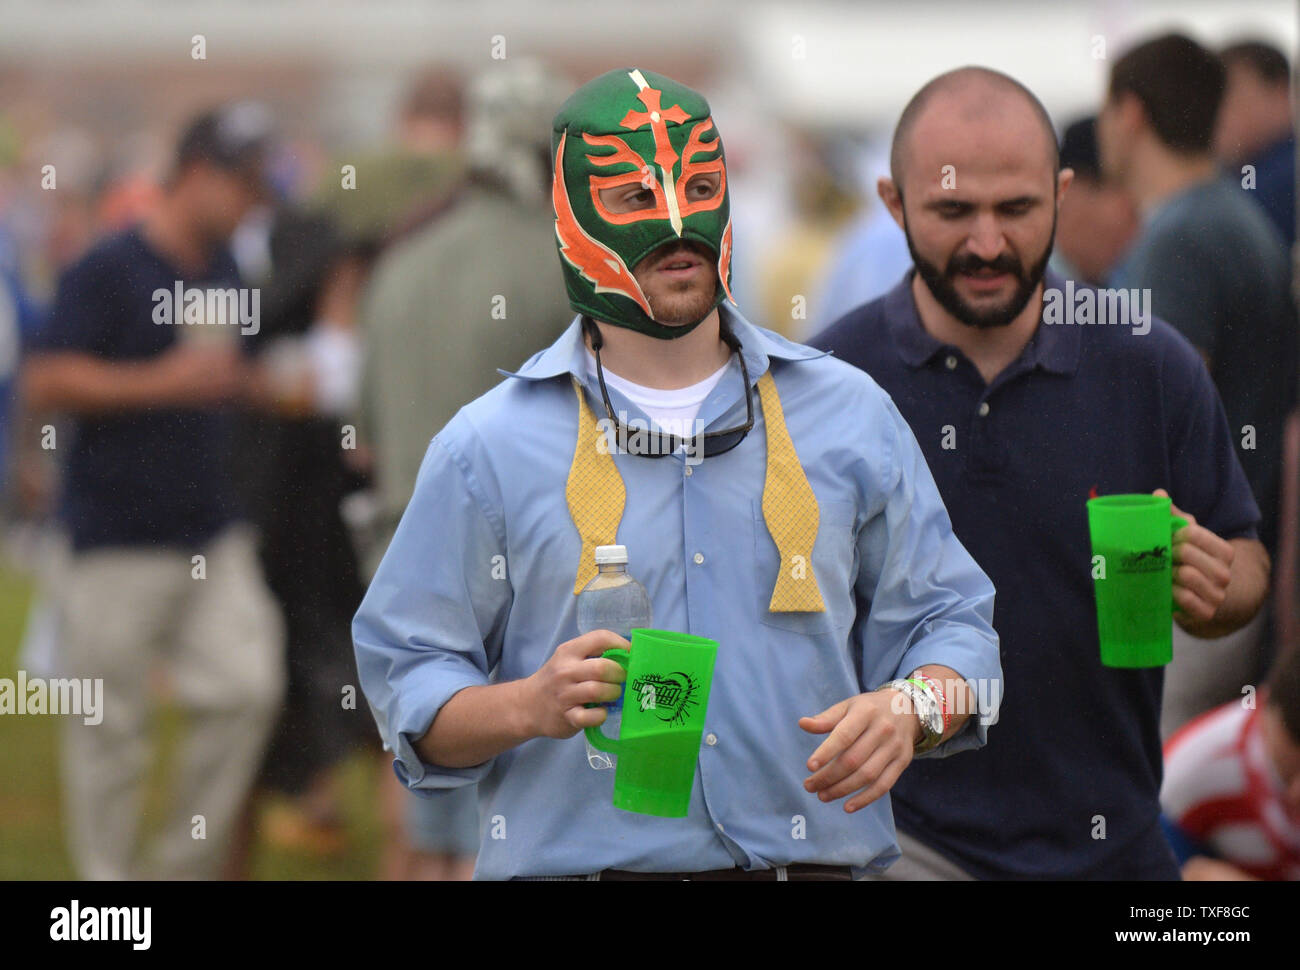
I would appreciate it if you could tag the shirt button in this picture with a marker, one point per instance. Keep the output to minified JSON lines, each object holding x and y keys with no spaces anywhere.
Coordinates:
{"x":699,"y":558}
{"x":720,"y":828}
{"x":984,"y":409}
{"x":950,"y":362}
{"x":689,"y":471}
{"x":710,"y":739}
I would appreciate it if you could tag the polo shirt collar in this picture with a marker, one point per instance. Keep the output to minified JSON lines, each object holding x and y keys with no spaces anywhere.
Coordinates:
{"x":1053,"y":348}
{"x":568,"y":354}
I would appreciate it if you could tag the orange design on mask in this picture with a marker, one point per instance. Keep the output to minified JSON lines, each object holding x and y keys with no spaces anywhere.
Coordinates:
{"x":695,"y":146}
{"x":594,"y":260}
{"x":641,"y":176}
{"x":724,"y":261}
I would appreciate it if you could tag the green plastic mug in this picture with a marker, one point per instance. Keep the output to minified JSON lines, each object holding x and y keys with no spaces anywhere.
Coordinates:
{"x":1133,"y":535}
{"x":665,"y":698}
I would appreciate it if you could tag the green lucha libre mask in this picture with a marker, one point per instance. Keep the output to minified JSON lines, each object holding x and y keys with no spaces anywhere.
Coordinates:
{"x":634,"y":128}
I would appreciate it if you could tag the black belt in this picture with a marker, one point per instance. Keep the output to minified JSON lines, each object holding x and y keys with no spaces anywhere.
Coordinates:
{"x":797,"y":872}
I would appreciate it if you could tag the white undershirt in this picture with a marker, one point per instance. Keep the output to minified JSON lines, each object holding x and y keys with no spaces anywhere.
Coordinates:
{"x":672,"y":411}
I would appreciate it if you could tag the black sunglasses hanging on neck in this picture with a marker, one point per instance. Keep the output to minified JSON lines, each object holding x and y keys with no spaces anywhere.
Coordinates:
{"x":661,"y":443}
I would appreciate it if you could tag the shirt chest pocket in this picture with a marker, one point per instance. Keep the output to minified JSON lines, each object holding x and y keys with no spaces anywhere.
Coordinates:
{"x":834,"y":564}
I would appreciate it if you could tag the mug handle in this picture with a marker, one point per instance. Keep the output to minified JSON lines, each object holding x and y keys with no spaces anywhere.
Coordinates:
{"x":598,"y":738}
{"x":1176,"y":522}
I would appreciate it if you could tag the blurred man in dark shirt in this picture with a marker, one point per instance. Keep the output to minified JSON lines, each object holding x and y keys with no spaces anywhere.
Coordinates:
{"x":1217,"y":270}
{"x":143,"y":349}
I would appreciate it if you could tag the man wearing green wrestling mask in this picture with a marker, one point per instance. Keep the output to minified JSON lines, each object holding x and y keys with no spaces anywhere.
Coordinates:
{"x":815,"y":550}
{"x":643,"y":227}
{"x":642,"y":216}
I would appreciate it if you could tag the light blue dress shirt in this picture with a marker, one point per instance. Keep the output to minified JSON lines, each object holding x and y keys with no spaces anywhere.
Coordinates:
{"x":477,"y":587}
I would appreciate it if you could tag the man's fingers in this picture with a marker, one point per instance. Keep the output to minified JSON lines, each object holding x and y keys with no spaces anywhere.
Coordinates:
{"x":1192,"y":579}
{"x":584,"y":717}
{"x":1193,"y":605}
{"x":832,"y":713}
{"x":602,"y":669}
{"x":589,"y":692}
{"x":592,"y":644}
{"x":1186,"y":554}
{"x":865,"y":761}
{"x":1200,"y":539}
{"x":850,"y":727}
{"x":880,"y":786}
{"x":827,"y":719}
{"x":844,"y":765}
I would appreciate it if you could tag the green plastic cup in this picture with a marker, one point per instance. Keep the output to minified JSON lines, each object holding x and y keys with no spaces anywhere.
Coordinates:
{"x":1134,"y":580}
{"x":665,"y":698}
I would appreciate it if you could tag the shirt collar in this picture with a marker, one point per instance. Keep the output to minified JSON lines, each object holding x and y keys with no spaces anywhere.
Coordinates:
{"x":1053,"y":348}
{"x":568,"y":354}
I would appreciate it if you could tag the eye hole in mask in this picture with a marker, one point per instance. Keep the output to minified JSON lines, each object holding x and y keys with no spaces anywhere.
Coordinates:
{"x":645,"y":198}
{"x":700,"y":188}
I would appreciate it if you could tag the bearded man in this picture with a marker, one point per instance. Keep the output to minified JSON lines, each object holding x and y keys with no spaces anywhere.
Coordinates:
{"x":1025,"y":406}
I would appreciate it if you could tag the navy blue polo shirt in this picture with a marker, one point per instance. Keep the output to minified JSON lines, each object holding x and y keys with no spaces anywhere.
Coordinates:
{"x":1084,"y":410}
{"x":155,"y":476}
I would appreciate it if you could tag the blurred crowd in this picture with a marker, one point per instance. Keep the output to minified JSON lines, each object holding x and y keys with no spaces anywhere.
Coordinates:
{"x":202,"y":486}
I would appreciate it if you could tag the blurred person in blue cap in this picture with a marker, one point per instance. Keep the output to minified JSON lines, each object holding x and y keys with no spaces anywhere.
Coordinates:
{"x":142,"y":349}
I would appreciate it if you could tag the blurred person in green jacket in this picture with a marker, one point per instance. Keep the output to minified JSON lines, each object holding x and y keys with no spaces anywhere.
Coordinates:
{"x":370,"y":194}
{"x":471,"y":289}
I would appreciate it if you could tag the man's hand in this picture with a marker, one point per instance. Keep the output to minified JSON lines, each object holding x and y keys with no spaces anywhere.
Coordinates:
{"x":575,"y":675}
{"x":1202,"y":567}
{"x":1219,"y":584}
{"x":869,"y":746}
{"x":188,"y":374}
{"x":478,"y":723}
{"x":191,"y":374}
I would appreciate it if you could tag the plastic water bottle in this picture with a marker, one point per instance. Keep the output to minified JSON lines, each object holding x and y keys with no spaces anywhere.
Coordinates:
{"x":613,"y":601}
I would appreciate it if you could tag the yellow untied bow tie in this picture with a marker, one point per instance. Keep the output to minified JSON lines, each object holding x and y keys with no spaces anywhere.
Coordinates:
{"x":596,"y":497}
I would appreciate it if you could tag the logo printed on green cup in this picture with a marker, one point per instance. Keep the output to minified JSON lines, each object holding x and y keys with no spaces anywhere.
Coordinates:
{"x":1147,"y":561}
{"x":670,"y":697}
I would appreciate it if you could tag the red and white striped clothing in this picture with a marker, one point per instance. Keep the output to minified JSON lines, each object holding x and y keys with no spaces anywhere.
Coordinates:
{"x":1222,"y":790}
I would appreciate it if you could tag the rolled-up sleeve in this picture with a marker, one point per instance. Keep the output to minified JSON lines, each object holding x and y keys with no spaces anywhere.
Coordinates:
{"x":929,"y":601}
{"x":431,"y":621}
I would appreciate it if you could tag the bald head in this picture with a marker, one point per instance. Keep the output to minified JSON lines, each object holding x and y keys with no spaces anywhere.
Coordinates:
{"x":970,"y":96}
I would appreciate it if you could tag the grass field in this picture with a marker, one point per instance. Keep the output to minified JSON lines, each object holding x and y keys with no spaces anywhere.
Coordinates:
{"x":31,"y":834}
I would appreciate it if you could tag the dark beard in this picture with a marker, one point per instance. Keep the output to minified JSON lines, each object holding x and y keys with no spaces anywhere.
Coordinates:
{"x":940,"y":282}
{"x":687,"y":305}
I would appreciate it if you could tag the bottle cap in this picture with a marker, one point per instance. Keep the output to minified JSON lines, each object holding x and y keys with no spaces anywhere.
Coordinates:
{"x":606,"y":555}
